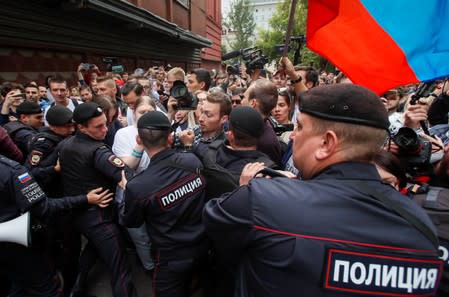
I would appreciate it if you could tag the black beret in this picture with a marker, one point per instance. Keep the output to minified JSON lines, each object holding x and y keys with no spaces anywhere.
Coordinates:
{"x":59,"y":115}
{"x":154,"y":120}
{"x":28,"y":107}
{"x":247,"y":120}
{"x":345,"y":103}
{"x":86,"y":111}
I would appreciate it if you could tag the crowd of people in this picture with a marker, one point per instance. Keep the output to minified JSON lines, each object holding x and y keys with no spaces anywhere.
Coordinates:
{"x":322,"y":172}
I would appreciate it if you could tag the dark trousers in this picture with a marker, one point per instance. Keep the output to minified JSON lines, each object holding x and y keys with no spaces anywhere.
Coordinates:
{"x":28,"y":270}
{"x":175,"y":269}
{"x":98,"y":227}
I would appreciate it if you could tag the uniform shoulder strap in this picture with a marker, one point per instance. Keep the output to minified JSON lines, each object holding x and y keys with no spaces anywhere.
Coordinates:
{"x":391,"y":204}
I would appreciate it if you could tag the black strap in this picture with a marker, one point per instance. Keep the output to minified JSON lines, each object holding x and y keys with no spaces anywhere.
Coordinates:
{"x":391,"y":204}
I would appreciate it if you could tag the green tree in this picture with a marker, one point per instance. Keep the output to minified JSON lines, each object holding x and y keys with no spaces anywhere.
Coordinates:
{"x":240,"y":20}
{"x":278,"y":29}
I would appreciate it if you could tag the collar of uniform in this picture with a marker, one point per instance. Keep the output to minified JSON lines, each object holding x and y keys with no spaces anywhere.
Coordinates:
{"x":253,"y":154}
{"x":81,"y":135}
{"x":161,"y":156}
{"x":350,"y":170}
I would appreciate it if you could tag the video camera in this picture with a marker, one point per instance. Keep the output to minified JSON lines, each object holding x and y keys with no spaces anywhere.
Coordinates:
{"x":414,"y":153}
{"x":279,"y":128}
{"x":252,"y":55}
{"x":186,"y":100}
{"x":112,"y":65}
{"x":300,"y":40}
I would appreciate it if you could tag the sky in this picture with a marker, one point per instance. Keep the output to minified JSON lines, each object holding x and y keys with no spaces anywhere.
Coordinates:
{"x":225,"y":6}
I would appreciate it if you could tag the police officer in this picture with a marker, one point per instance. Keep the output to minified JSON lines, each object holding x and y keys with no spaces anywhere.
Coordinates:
{"x":86,"y":163}
{"x":30,"y":120}
{"x":169,"y":198}
{"x":43,"y":157}
{"x":338,"y":232}
{"x":28,"y":269}
{"x":60,"y":240}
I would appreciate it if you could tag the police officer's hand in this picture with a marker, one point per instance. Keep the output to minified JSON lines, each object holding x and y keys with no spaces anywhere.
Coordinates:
{"x":249,"y":172}
{"x":99,"y":197}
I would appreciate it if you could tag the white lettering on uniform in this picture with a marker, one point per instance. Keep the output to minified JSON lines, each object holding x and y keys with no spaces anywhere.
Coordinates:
{"x":371,"y":275}
{"x":432,"y":278}
{"x":405,"y":280}
{"x":389,"y":274}
{"x":345,"y":265}
{"x":353,"y":274}
{"x":181,"y":191}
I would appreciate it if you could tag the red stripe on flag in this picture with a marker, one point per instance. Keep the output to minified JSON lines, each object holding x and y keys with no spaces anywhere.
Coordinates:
{"x":346,"y":34}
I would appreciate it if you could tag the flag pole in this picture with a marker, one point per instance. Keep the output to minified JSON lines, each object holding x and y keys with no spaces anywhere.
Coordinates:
{"x":288,"y":36}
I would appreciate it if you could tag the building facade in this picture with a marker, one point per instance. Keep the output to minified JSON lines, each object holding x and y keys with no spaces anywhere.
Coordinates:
{"x":40,"y":38}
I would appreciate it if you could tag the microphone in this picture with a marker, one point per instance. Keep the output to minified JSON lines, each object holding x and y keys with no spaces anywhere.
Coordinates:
{"x":231,"y":55}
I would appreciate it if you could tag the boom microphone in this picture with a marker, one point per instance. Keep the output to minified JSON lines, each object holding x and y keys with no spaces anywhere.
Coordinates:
{"x":231,"y":55}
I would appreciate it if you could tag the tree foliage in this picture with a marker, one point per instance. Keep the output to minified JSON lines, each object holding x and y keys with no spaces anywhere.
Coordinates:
{"x":240,"y":20}
{"x":278,"y":29}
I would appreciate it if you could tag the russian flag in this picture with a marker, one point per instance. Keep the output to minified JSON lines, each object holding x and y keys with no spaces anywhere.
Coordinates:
{"x":23,"y":178}
{"x":382,"y":44}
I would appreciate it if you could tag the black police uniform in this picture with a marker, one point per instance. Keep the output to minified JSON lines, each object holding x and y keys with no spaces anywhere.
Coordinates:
{"x":88,"y":164}
{"x":170,"y":201}
{"x":42,"y":159}
{"x":323,"y":237}
{"x":21,"y":134}
{"x":26,"y":267}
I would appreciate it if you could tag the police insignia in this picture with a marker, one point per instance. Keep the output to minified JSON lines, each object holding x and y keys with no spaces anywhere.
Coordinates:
{"x":376,"y":274}
{"x":116,"y":161}
{"x":35,"y":158}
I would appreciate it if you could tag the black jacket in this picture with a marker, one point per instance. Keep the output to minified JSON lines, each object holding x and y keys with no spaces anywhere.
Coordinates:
{"x":322,"y":237}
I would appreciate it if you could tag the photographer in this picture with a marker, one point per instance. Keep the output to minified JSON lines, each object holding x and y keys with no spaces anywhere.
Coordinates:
{"x":13,"y":98}
{"x":86,"y":73}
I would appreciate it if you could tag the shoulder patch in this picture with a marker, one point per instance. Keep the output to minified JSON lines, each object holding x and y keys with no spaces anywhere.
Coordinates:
{"x":35,"y":157}
{"x":374,"y":274}
{"x":116,"y":161}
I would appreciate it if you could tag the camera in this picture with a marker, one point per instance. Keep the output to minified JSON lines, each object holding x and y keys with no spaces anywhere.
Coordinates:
{"x":254,"y":58}
{"x":414,"y":153}
{"x":279,"y":128}
{"x":233,"y":69}
{"x":186,"y":100}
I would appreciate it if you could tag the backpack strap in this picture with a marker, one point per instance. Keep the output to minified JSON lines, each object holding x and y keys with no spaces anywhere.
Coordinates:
{"x":391,"y":204}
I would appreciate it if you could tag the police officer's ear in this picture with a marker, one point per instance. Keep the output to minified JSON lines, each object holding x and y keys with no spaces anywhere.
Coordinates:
{"x":328,"y":147}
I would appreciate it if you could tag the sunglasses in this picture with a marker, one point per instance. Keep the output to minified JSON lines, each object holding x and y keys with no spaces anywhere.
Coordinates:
{"x":236,"y":101}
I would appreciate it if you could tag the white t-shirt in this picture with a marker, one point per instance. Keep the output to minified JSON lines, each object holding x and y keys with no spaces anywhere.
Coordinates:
{"x":125,"y":142}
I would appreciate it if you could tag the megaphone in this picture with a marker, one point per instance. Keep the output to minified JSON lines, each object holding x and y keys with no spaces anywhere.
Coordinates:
{"x":17,"y":230}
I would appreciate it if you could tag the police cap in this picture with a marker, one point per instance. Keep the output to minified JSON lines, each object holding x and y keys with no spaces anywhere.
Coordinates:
{"x":246,"y":120}
{"x":28,"y":107}
{"x":345,"y":103}
{"x":59,"y":115}
{"x":154,"y":120}
{"x":86,"y":111}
